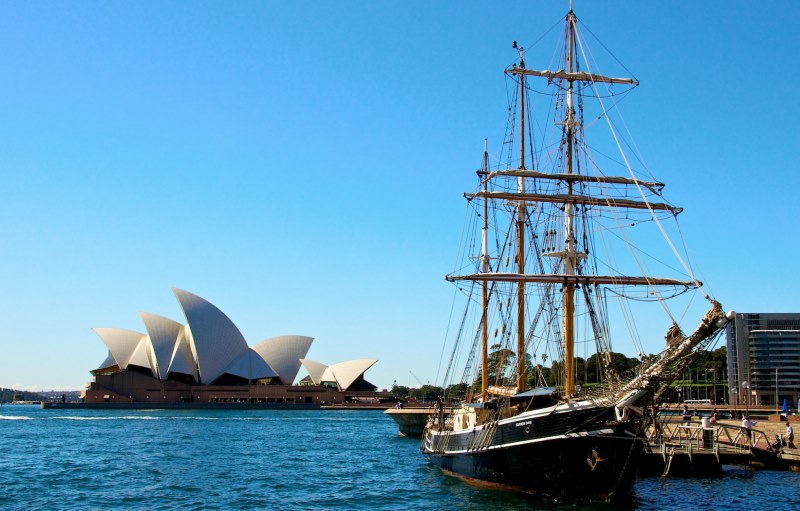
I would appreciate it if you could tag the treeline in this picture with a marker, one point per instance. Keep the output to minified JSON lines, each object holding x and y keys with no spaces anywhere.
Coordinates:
{"x":502,"y":361}
{"x":429,"y":393}
{"x":705,"y":368}
{"x":706,"y":377}
{"x":9,"y":395}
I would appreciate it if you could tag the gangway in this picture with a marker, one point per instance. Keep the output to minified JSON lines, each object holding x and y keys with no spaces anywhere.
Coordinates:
{"x":695,"y":449}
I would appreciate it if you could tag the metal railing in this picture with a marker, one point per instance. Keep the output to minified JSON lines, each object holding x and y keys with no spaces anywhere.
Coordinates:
{"x":690,"y":437}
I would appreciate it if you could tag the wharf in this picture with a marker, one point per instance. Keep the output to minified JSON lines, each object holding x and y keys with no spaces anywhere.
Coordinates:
{"x":699,"y":449}
{"x":179,"y":406}
{"x":411,"y":421}
{"x":358,"y":406}
{"x":214,"y":406}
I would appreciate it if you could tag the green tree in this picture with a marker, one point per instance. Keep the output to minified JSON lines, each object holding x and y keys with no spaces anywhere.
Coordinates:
{"x":400,"y":391}
{"x":426,"y":393}
{"x":500,"y":359}
{"x":502,"y":363}
{"x":456,"y":392}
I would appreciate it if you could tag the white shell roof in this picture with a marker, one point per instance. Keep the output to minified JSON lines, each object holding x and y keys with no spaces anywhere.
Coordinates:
{"x":315,"y":370}
{"x":108,"y":362}
{"x":345,"y":373}
{"x":251,"y":366}
{"x":121,"y":343}
{"x":283,"y":354}
{"x":182,"y":360}
{"x":215,"y":339}
{"x":210,"y":345}
{"x":141,"y":355}
{"x":163,"y":333}
{"x":328,"y":375}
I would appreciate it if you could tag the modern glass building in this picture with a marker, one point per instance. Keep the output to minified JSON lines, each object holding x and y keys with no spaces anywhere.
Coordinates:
{"x":764,"y":359}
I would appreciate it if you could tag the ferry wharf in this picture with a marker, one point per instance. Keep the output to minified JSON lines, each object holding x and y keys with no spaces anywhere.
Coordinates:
{"x":411,"y":421}
{"x":700,"y":449}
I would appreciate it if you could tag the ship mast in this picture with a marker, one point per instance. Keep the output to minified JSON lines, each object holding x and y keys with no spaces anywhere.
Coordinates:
{"x":521,"y":219}
{"x":570,"y":257}
{"x":485,"y":269}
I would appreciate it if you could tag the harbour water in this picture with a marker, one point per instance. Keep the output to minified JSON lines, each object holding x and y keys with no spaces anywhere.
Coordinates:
{"x":281,"y":460}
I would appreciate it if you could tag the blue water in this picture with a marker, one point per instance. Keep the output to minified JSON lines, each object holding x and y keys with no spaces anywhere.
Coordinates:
{"x":280,"y":460}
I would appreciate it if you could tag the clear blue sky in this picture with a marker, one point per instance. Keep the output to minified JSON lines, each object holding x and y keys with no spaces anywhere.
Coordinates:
{"x":301,"y":164}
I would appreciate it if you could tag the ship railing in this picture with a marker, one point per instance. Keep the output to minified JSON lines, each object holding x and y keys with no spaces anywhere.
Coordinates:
{"x":436,"y":436}
{"x":427,"y":440}
{"x":433,"y":442}
{"x":484,"y":437}
{"x":434,"y":421}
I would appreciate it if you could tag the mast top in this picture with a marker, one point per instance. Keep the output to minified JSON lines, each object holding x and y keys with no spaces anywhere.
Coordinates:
{"x":568,"y":75}
{"x":521,"y":51}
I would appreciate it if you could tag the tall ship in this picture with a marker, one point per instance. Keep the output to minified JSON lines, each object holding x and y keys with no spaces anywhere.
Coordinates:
{"x":569,"y":244}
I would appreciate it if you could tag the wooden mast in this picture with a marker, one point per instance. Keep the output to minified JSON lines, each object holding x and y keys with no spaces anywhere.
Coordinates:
{"x":484,"y":290}
{"x":569,"y":236}
{"x":570,"y":255}
{"x":521,"y":219}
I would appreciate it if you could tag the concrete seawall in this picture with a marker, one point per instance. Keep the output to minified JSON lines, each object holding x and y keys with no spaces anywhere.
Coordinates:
{"x":180,"y":406}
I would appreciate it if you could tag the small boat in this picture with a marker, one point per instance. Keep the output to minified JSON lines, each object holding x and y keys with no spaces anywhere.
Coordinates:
{"x":551,"y":263}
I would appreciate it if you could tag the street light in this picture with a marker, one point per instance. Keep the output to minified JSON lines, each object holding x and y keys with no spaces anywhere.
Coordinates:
{"x":735,"y":391}
{"x":746,"y":386}
{"x":714,"y":379}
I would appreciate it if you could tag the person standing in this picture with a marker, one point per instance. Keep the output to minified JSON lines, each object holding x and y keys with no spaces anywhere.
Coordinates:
{"x":747,"y":426}
{"x":687,"y":416}
{"x":790,"y":435}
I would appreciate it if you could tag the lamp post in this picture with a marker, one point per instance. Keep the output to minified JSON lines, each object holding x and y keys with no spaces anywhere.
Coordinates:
{"x":734,"y":391}
{"x":714,"y":387}
{"x":689,"y":385}
{"x":746,"y":392}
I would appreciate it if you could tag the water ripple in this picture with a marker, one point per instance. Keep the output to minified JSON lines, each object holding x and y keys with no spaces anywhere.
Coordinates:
{"x":276,"y":460}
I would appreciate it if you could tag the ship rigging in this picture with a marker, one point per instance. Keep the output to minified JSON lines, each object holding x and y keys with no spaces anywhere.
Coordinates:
{"x":553,"y":246}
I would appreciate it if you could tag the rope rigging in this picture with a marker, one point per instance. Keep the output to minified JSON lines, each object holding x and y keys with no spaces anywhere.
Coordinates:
{"x":594,"y":228}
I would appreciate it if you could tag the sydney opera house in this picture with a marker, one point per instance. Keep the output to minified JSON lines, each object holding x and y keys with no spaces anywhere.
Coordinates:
{"x":207,"y":360}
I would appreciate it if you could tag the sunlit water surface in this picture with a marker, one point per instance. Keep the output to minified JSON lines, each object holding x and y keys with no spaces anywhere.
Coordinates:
{"x":282,"y":460}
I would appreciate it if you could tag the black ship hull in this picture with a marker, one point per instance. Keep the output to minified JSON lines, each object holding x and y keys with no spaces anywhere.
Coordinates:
{"x":588,"y":464}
